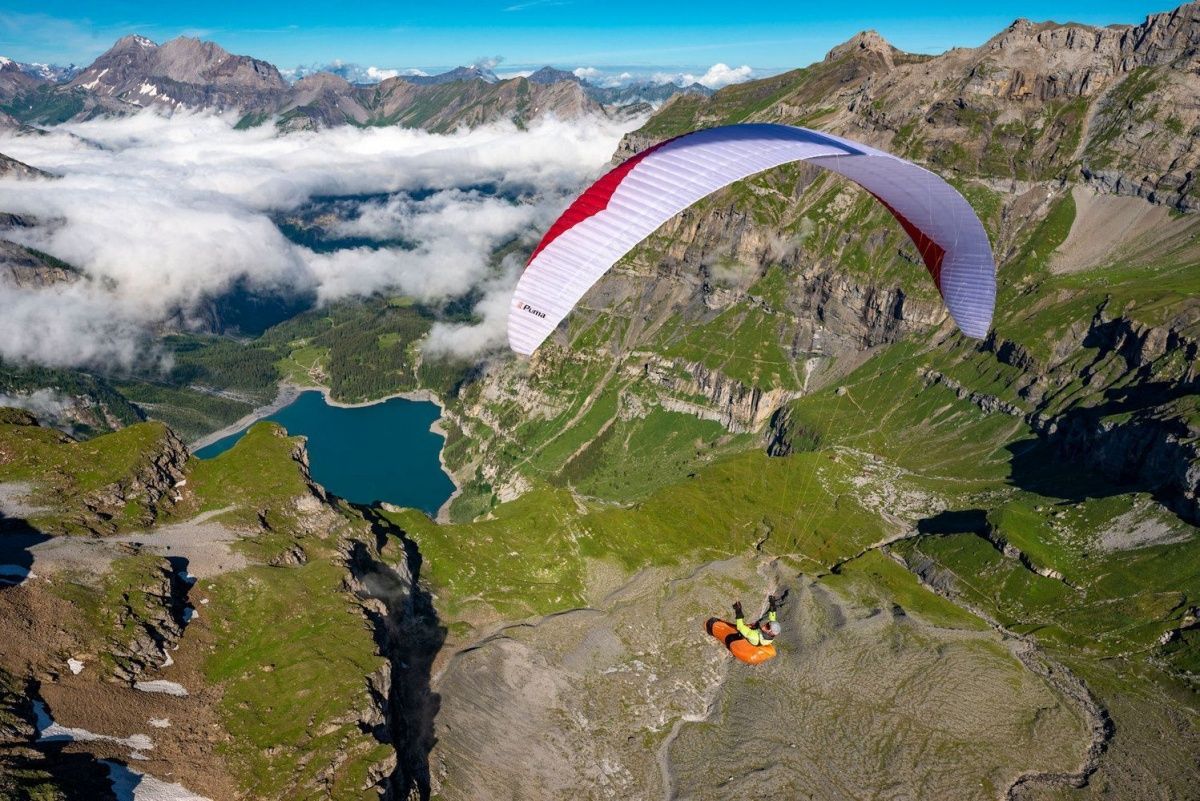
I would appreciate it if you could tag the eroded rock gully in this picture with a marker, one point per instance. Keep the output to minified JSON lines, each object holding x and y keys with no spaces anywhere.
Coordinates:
{"x":409,"y":634}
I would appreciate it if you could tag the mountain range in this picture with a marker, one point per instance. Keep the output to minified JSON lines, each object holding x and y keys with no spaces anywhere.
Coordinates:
{"x":187,"y":73}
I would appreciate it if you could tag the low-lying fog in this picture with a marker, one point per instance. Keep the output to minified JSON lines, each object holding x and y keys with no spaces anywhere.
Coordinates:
{"x":162,"y":213}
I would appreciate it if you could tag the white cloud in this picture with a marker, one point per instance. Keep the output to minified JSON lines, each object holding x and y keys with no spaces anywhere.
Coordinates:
{"x":717,"y":76}
{"x":375,"y":74}
{"x":459,"y":339}
{"x":161,"y":213}
{"x":487,"y":62}
{"x":45,"y":404}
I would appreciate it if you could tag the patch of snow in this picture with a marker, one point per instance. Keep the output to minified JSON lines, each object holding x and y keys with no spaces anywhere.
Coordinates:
{"x":130,"y":785}
{"x":168,"y":660}
{"x":190,"y":614}
{"x":152,"y":90}
{"x":75,"y":665}
{"x":5,"y":61}
{"x":203,"y":601}
{"x":51,"y":732}
{"x":161,"y":686}
{"x":160,"y":723}
{"x":94,"y":82}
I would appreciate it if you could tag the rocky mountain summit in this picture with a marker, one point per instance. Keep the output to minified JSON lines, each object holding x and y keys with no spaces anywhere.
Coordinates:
{"x":183,"y":72}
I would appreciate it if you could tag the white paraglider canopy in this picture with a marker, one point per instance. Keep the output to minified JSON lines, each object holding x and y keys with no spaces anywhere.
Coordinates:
{"x":635,"y":198}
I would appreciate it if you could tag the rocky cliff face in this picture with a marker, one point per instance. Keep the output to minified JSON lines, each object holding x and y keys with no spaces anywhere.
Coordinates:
{"x":151,"y":486}
{"x":29,"y":269}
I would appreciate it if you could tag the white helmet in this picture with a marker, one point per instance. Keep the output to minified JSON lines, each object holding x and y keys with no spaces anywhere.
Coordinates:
{"x":771,"y":628}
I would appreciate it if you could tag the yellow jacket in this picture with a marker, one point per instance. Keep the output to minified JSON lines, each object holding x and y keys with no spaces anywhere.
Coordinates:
{"x":753,"y":635}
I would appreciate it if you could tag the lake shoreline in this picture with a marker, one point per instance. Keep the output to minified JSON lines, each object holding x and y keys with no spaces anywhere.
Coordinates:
{"x":289,"y":392}
{"x":286,"y":394}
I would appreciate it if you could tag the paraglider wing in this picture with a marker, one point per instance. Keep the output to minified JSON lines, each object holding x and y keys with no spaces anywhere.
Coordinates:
{"x":635,"y":198}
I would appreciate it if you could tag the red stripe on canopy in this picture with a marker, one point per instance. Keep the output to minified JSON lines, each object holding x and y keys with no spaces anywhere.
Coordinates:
{"x":931,"y":252}
{"x":594,"y":200}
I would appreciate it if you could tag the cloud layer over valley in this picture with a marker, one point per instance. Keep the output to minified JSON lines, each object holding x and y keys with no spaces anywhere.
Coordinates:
{"x":161,"y":214}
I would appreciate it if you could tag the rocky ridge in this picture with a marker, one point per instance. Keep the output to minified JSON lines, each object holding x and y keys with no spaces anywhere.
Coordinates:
{"x":187,"y":73}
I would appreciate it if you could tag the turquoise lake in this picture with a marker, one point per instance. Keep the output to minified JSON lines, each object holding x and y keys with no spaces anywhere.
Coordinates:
{"x":383,"y":452}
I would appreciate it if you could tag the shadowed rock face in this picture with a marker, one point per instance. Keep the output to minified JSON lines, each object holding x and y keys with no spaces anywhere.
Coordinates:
{"x":632,"y":699}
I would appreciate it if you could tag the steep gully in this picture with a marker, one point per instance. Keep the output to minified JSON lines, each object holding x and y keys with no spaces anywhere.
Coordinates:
{"x":409,"y":634}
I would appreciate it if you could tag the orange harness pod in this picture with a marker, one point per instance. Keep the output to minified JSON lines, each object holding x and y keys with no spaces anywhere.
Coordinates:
{"x":728,"y":635}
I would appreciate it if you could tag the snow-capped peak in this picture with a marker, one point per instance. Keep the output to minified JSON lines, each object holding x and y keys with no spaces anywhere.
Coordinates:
{"x":4,"y":61}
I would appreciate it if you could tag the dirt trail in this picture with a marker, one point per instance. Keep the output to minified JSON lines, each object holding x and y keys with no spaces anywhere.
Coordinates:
{"x":203,"y":543}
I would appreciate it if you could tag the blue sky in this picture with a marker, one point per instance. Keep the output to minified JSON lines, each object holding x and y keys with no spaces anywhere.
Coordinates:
{"x":399,"y":34}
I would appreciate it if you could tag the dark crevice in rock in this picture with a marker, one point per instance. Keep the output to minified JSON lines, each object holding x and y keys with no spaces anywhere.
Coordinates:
{"x":410,"y":635}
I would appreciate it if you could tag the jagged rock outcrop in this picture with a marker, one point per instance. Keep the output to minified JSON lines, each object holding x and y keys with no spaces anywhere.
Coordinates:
{"x":149,"y":488}
{"x":738,"y":407}
{"x":1116,"y":105}
{"x":29,"y":269}
{"x":147,"y":625}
